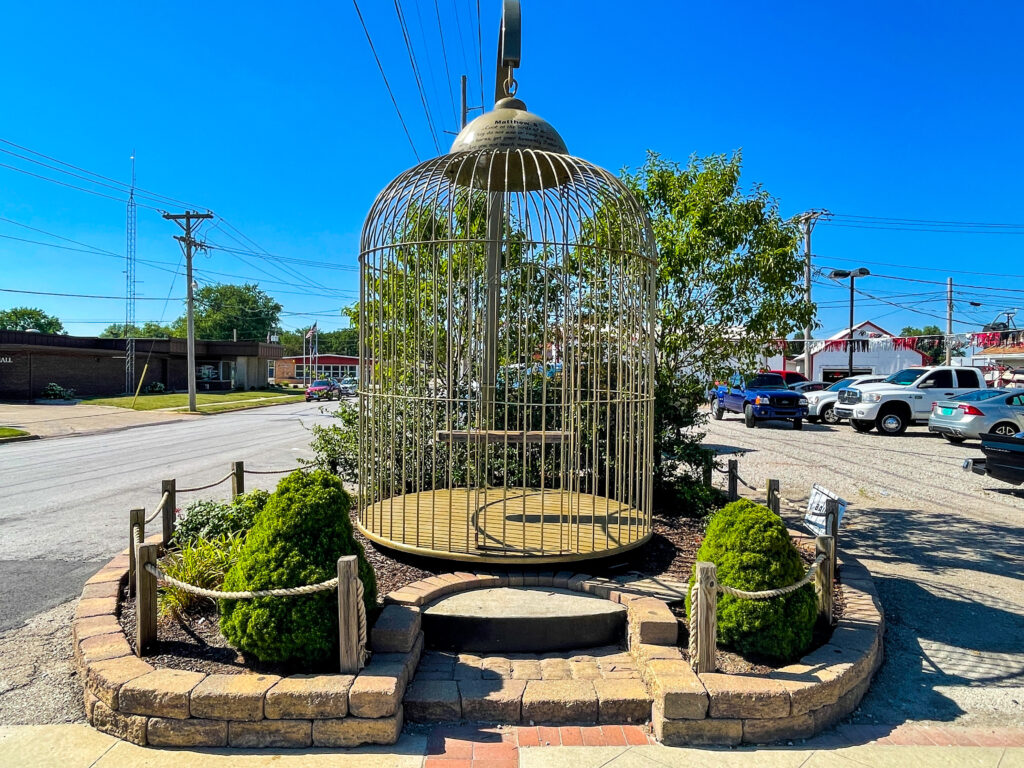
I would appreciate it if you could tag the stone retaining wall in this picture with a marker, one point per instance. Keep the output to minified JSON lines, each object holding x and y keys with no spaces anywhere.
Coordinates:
{"x":127,"y":697}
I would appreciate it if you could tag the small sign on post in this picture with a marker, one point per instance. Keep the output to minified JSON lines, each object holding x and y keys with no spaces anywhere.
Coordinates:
{"x":817,"y":520}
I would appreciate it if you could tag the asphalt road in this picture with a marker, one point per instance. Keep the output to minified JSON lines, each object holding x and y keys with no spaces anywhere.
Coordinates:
{"x":945,"y":549}
{"x":64,"y":501}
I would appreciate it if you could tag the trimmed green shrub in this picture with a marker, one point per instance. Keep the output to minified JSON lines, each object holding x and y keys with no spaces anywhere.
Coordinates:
{"x":54,"y":391}
{"x":751,"y":550}
{"x":201,"y":562}
{"x":205,"y":519}
{"x":295,"y":540}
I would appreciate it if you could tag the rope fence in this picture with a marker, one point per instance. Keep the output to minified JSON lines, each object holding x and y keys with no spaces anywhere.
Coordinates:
{"x":144,"y":574}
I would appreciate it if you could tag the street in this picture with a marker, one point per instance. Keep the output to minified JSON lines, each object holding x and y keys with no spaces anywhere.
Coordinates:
{"x":943,"y":546}
{"x":64,"y":501}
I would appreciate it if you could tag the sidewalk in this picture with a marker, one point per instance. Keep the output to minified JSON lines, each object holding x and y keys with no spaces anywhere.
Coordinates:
{"x":79,"y":746}
{"x":80,"y":419}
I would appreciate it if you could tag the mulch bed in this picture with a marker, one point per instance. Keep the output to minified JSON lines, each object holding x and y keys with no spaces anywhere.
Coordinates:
{"x":195,"y":643}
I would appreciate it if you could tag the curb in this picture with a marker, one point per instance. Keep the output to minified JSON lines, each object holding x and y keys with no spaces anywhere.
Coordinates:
{"x":19,"y":438}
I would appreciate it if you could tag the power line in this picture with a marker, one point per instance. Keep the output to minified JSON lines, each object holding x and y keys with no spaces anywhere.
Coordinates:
{"x":416,"y":74}
{"x":892,"y":219}
{"x":387,"y":85}
{"x":75,"y":295}
{"x":447,"y":71}
{"x":480,"y":54}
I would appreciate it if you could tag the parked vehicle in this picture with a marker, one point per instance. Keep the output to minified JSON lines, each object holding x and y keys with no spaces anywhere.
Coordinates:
{"x":322,"y":389}
{"x":971,"y":415}
{"x":760,"y":397}
{"x":1004,"y":458}
{"x":892,"y":405}
{"x":821,"y":405}
{"x":790,"y":377}
{"x":347,"y":386}
{"x":803,"y":387}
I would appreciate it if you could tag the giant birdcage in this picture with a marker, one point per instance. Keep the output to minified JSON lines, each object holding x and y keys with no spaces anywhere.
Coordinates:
{"x":506,"y":326}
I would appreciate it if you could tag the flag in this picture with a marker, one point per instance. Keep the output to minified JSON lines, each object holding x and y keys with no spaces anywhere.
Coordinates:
{"x":311,"y":332}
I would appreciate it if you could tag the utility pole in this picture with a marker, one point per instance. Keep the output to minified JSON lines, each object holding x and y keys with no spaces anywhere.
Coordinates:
{"x":465,"y":106}
{"x":808,"y":220}
{"x":949,"y":320}
{"x":191,"y":220}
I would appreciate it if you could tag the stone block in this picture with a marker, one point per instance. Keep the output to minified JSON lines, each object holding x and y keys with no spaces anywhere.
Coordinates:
{"x":495,"y":668}
{"x":127,"y":727}
{"x":576,"y":582}
{"x":676,"y":689}
{"x":94,"y":625}
{"x":546,"y":579}
{"x":708,"y":732}
{"x":108,"y":573}
{"x":432,"y":701}
{"x":585,"y":670}
{"x":555,"y":669}
{"x":561,"y":580}
{"x":778,"y":729}
{"x":396,"y":629}
{"x":622,"y":701}
{"x":651,"y":621}
{"x":377,"y":691}
{"x":527,"y":669}
{"x":492,"y":701}
{"x":560,"y":701}
{"x":408,"y":595}
{"x":102,"y":647}
{"x":811,"y":687}
{"x":741,"y":696}
{"x":89,"y":700}
{"x":162,"y":693}
{"x":102,"y":589}
{"x":231,"y":697}
{"x":105,"y":678}
{"x":516,"y":578}
{"x":308,"y":697}
{"x":645,"y":653}
{"x":829,"y":715}
{"x":353,"y":731}
{"x":408,"y":661}
{"x":287,"y":734}
{"x":599,"y":587}
{"x":96,"y":606}
{"x":194,"y":732}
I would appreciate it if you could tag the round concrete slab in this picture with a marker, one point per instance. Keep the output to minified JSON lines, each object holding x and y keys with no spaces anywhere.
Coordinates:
{"x":532,"y":619}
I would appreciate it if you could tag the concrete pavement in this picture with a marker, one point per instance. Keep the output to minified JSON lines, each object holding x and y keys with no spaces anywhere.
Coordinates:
{"x":79,"y":746}
{"x":60,"y":420}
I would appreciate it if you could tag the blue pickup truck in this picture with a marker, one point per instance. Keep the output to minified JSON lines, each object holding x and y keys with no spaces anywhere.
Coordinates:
{"x":759,"y":397}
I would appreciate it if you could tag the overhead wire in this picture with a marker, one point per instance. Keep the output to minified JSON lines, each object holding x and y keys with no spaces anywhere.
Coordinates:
{"x":447,"y":71}
{"x":416,"y":74}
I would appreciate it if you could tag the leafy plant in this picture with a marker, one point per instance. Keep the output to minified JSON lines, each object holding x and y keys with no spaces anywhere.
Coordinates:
{"x":751,"y":550}
{"x":202,"y":563}
{"x":154,"y":387}
{"x":296,"y":540}
{"x":205,"y":519}
{"x":54,"y":391}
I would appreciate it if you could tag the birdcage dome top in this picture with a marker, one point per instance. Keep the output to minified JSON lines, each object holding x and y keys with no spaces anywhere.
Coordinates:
{"x":509,"y":126}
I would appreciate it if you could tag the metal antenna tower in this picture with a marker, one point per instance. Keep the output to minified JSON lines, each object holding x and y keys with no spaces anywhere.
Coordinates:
{"x":129,"y":312}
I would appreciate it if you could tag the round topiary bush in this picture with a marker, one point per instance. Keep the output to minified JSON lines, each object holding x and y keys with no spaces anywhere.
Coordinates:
{"x":296,"y":539}
{"x":751,"y":550}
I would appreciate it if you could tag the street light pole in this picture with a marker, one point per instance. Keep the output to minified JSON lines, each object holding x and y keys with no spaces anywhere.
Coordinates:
{"x":841,"y":274}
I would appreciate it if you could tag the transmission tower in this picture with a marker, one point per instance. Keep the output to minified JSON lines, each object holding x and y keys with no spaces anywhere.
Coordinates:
{"x":129,"y":313}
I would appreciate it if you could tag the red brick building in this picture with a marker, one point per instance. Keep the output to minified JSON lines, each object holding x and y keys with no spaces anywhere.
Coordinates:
{"x":93,"y":366}
{"x":297,"y":369}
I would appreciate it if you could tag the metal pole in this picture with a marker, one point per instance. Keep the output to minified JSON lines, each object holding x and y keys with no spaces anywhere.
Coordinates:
{"x":465,"y":106}
{"x":807,"y":219}
{"x":849,"y":343}
{"x":190,"y":344}
{"x":949,"y":319}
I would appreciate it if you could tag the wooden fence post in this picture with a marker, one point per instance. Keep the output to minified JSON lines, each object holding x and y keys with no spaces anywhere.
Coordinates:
{"x":773,"y":496}
{"x":707,"y":619}
{"x":832,"y":525}
{"x":135,"y":517}
{"x":708,"y":464}
{"x":145,"y":600}
{"x":237,"y":478}
{"x":170,"y":488}
{"x":733,"y":475}
{"x":348,"y":617}
{"x":824,"y":545}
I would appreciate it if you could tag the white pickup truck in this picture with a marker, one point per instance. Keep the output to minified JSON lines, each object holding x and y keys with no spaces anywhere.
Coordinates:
{"x":894,"y":404}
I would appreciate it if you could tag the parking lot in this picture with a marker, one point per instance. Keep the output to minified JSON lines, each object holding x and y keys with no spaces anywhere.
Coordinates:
{"x":945,"y":547}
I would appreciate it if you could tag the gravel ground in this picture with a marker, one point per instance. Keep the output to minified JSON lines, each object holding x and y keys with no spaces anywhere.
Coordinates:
{"x":945,"y":549}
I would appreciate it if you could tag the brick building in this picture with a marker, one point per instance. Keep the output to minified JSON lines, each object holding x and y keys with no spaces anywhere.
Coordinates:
{"x":93,"y":366}
{"x":297,"y":369}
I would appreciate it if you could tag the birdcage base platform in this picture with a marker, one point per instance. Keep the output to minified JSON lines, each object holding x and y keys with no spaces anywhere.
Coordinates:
{"x":505,"y":525}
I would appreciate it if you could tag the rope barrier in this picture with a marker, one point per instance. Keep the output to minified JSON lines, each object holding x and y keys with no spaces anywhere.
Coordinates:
{"x":205,"y":487}
{"x":214,"y":594}
{"x":137,"y":533}
{"x":767,"y":594}
{"x":269,"y":471}
{"x":159,"y":507}
{"x":692,"y":646}
{"x":361,"y":619}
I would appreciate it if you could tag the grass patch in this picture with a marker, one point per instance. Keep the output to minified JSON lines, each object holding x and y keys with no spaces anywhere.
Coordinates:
{"x":179,"y":399}
{"x":244,"y":406}
{"x":12,"y":432}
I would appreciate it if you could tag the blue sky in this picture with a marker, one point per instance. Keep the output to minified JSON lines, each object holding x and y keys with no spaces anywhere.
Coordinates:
{"x":275,"y":117}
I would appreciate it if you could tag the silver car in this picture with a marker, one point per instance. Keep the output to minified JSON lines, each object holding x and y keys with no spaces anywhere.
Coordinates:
{"x":821,"y":405}
{"x":972,"y":414}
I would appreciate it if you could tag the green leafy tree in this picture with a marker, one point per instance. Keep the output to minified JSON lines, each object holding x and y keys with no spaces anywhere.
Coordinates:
{"x":224,"y":309}
{"x":934,"y":347}
{"x":344,"y":341}
{"x":728,"y":284}
{"x":25,"y":318}
{"x":148,"y":330}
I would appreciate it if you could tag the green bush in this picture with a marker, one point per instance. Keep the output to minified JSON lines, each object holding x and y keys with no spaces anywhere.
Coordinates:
{"x":205,"y":519}
{"x":751,"y":550}
{"x":200,"y":562}
{"x":296,"y":539}
{"x":54,"y":391}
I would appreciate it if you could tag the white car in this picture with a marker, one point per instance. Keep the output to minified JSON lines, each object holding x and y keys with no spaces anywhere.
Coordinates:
{"x":821,"y":404}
